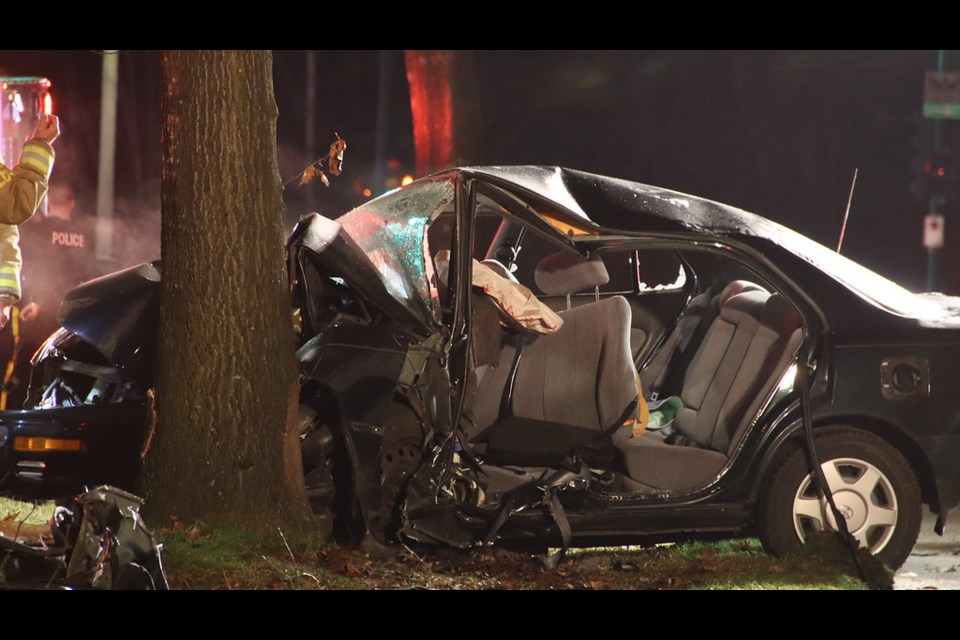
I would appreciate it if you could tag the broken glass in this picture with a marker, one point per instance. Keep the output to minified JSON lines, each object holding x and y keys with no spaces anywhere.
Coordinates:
{"x":391,"y":230}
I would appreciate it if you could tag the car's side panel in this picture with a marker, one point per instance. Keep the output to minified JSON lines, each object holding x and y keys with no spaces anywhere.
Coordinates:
{"x":614,"y":524}
{"x":360,"y":364}
{"x":929,"y":416}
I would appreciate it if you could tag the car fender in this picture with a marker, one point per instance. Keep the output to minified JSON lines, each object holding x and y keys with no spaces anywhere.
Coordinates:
{"x":360,"y":364}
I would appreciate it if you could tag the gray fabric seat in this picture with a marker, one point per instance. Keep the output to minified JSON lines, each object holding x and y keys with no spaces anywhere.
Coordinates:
{"x":566,"y":273}
{"x":746,"y":349}
{"x":570,"y":390}
{"x":663,"y":374}
{"x":582,"y":375}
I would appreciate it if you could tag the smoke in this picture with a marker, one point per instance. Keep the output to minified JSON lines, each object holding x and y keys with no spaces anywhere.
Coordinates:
{"x":60,"y":248}
{"x":136,"y":230}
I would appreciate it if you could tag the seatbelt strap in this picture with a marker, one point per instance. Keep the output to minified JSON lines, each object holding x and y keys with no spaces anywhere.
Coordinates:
{"x":552,"y":500}
{"x":506,"y":400}
{"x":508,"y":509}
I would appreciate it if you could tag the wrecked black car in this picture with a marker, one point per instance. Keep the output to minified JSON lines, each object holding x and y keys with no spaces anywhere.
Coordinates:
{"x":540,"y":357}
{"x":88,"y":391}
{"x":437,"y":410}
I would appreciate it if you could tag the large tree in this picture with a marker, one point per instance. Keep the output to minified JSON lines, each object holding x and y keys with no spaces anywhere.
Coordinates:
{"x":443,"y":102}
{"x":225,"y":444}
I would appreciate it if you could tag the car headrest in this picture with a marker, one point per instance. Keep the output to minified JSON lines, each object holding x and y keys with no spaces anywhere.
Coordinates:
{"x":735,"y":287}
{"x":780,"y":315}
{"x":748,"y":303}
{"x":568,"y":272}
{"x":497,"y":267}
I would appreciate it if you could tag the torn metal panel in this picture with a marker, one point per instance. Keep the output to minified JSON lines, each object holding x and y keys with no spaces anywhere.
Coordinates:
{"x":101,"y":544}
{"x":114,"y":548}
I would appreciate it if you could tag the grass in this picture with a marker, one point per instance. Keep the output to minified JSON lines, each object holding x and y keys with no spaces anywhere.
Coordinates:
{"x":227,"y":558}
{"x":201,"y":557}
{"x":28,"y":512}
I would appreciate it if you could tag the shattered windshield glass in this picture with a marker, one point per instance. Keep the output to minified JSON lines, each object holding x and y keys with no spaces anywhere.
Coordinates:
{"x":391,"y":230}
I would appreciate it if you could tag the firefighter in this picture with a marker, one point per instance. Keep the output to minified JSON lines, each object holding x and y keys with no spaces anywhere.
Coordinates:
{"x":21,"y":191}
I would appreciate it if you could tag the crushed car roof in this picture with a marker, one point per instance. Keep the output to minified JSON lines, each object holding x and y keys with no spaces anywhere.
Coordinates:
{"x":622,"y":205}
{"x":613,"y":201}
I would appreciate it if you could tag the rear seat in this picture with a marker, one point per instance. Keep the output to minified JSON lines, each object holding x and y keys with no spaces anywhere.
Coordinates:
{"x":663,"y":375}
{"x":746,"y":348}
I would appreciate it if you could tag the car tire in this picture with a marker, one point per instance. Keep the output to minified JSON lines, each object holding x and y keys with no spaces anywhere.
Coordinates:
{"x":329,"y":482}
{"x":872,"y":483}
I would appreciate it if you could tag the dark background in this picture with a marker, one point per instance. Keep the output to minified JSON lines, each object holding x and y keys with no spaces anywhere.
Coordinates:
{"x":775,"y":132}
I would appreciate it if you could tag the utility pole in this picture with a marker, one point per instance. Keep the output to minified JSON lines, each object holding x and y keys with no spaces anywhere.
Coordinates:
{"x":940,"y":178}
{"x":310,"y":112}
{"x":383,"y":120}
{"x":934,"y":217}
{"x":108,"y":149}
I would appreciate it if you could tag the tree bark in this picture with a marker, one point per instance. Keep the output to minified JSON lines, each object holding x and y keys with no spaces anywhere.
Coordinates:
{"x":431,"y":103}
{"x":225,"y":447}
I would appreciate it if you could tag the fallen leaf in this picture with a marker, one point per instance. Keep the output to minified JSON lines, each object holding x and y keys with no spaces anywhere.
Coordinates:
{"x":25,"y":532}
{"x":775,"y":568}
{"x":335,"y":155}
{"x":314,"y":171}
{"x":708,"y":561}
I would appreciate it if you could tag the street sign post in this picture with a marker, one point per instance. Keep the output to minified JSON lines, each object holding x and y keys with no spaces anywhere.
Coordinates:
{"x":933,"y":231}
{"x":941,"y":95}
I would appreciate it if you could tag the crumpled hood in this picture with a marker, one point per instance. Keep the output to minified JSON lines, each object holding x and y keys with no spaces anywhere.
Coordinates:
{"x":118,"y":314}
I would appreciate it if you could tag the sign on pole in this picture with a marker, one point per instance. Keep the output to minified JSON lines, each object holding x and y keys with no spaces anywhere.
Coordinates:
{"x":933,"y":231}
{"x":941,"y":95}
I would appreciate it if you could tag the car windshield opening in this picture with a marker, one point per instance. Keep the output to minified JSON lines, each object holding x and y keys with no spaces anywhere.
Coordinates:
{"x":391,"y":230}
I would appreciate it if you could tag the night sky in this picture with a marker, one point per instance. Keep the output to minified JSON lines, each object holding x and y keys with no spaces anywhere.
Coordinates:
{"x":778,"y":133}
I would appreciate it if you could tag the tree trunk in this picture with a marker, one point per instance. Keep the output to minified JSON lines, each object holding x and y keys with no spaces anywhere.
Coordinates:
{"x":431,"y":103}
{"x":225,"y":447}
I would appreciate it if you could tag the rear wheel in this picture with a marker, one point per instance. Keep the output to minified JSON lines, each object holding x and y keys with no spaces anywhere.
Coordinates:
{"x":873,"y":486}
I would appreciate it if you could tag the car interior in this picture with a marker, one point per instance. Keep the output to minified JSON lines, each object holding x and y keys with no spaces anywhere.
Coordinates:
{"x":638,"y":326}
